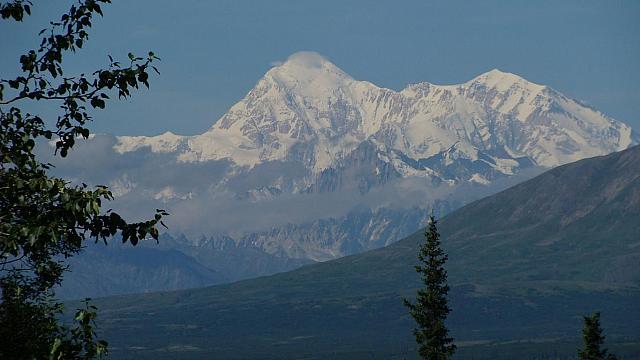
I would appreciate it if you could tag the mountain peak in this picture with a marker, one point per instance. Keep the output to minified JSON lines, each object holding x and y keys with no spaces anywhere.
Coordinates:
{"x":308,"y":67}
{"x":307,"y":108}
{"x":307,"y":59}
{"x":498,"y":72}
{"x":503,"y":80}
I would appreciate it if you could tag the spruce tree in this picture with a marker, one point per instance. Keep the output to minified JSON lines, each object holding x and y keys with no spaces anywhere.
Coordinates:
{"x":430,"y":309}
{"x":593,"y":340}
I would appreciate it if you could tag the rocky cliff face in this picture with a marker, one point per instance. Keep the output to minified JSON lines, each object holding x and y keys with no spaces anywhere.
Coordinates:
{"x":326,"y":239}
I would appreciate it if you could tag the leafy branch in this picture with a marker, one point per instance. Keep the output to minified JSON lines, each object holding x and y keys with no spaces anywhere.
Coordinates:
{"x":44,"y":219}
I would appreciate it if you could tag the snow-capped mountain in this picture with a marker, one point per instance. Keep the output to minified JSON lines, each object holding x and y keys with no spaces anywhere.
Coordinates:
{"x":312,"y":164}
{"x":309,"y":111}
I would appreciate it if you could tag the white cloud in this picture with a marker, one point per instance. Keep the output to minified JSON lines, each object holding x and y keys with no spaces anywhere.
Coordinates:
{"x":308,"y":59}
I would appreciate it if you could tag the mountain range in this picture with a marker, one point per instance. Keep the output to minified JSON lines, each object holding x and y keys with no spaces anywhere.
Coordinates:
{"x":309,"y":111}
{"x":524,"y":266}
{"x":312,"y":165}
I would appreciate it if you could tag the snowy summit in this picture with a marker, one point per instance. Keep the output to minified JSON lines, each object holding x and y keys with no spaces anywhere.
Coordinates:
{"x":307,"y":109}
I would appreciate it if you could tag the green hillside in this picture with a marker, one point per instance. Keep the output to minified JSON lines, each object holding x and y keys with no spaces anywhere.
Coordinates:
{"x":524,"y":265}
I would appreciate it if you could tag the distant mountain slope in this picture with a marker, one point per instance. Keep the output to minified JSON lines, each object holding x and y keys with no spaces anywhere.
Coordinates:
{"x":523,"y":264}
{"x":576,"y":223}
{"x":120,"y":269}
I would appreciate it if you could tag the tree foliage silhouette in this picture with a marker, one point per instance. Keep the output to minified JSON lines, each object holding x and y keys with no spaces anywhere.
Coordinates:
{"x":44,"y":219}
{"x":593,"y":337}
{"x":430,"y":309}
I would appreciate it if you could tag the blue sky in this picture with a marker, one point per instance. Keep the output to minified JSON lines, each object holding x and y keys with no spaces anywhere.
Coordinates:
{"x":215,"y":51}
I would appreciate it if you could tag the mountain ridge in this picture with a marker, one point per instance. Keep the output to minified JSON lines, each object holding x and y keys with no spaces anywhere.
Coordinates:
{"x":309,"y":99}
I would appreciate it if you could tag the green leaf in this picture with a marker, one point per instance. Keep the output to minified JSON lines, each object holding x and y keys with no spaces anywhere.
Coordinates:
{"x":56,"y":345}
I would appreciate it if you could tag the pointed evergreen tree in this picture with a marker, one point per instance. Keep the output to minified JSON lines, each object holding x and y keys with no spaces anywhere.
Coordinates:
{"x":593,"y":340}
{"x":430,"y":309}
